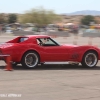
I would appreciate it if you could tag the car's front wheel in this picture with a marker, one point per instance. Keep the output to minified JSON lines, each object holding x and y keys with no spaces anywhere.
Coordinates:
{"x":30,"y":60}
{"x":90,"y":59}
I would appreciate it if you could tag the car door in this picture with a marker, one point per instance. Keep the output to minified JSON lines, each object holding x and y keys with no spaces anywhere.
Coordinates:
{"x":53,"y":51}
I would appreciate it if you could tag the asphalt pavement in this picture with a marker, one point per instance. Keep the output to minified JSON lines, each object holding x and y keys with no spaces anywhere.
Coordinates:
{"x":51,"y":82}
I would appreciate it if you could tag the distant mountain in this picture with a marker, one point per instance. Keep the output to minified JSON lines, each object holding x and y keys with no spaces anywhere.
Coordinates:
{"x":85,"y":12}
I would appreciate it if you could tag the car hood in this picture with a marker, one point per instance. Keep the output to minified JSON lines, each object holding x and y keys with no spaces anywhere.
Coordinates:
{"x":69,"y":45}
{"x":5,"y":45}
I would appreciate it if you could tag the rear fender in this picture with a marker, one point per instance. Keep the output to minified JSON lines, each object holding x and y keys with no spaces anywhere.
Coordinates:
{"x":20,"y":58}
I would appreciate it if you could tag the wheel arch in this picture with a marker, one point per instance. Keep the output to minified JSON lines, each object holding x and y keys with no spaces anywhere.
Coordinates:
{"x":30,"y":51}
{"x":90,"y":50}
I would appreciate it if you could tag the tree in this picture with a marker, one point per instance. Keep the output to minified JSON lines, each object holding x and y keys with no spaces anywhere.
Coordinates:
{"x":39,"y":16}
{"x":86,"y":20}
{"x":2,"y":19}
{"x":12,"y":18}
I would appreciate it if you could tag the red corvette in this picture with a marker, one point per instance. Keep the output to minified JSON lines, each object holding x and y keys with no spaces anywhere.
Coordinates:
{"x":36,"y":49}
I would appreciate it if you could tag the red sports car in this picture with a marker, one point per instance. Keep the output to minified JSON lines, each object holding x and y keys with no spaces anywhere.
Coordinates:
{"x":42,"y":49}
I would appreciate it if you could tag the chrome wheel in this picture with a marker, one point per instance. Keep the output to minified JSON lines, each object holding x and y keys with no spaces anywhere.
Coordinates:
{"x":30,"y":60}
{"x":90,"y":59}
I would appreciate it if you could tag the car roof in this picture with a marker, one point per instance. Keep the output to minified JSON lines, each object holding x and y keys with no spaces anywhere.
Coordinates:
{"x":37,"y":36}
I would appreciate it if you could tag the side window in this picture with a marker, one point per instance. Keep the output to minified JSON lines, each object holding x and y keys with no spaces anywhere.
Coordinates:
{"x":38,"y":42}
{"x":46,"y":42}
{"x":22,"y":39}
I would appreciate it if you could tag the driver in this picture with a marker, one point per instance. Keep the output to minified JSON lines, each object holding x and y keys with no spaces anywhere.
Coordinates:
{"x":43,"y":42}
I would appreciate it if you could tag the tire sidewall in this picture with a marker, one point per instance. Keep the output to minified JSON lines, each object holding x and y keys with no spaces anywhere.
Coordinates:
{"x":83,"y":60}
{"x":23,"y":60}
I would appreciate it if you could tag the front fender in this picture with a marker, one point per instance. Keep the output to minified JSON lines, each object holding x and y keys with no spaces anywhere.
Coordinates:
{"x":82,"y":52}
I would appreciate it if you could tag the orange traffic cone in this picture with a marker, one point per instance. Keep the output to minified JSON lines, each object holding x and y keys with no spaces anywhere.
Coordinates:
{"x":75,"y":42}
{"x":96,"y":45}
{"x":90,"y":41}
{"x":76,"y":37}
{"x":9,"y":65}
{"x":53,"y":36}
{"x":64,"y":37}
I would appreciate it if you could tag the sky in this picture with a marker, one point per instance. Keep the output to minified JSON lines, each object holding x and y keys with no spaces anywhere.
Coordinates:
{"x":59,"y":6}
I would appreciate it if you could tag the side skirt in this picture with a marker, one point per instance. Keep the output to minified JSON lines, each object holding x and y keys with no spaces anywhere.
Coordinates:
{"x":69,"y":62}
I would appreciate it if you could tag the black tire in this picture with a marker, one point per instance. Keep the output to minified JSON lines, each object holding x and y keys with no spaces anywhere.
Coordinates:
{"x":90,"y":59}
{"x":14,"y":63}
{"x":77,"y":64}
{"x":74,"y":64}
{"x":30,"y":60}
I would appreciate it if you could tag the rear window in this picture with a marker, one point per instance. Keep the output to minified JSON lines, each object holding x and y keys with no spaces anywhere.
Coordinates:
{"x":22,"y":39}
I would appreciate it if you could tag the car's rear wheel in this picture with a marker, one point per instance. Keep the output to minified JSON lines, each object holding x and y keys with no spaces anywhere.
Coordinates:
{"x":90,"y":59}
{"x":14,"y":63}
{"x":30,"y":60}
